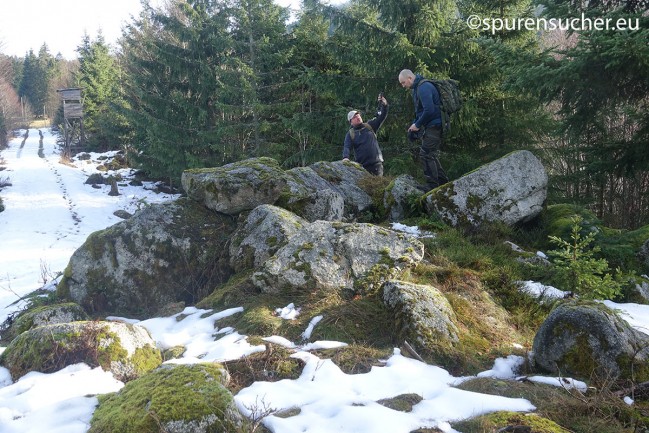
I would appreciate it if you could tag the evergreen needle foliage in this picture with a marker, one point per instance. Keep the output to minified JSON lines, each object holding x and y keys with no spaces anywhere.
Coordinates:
{"x":581,"y":272}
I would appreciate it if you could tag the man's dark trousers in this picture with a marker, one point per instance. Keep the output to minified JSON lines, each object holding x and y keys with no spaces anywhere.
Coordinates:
{"x":376,"y":169}
{"x":431,"y":144}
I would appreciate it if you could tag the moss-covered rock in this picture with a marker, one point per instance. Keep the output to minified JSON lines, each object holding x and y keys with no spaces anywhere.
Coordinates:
{"x":422,"y":314}
{"x":330,"y":256}
{"x":399,"y":197}
{"x":237,"y":187}
{"x":329,"y":191}
{"x":44,"y":315}
{"x":504,"y":421}
{"x":263,"y":231}
{"x":588,"y":340}
{"x":401,"y":403}
{"x":511,"y":190}
{"x":558,"y":219}
{"x":126,"y":350}
{"x":169,"y":252}
{"x":172,"y":399}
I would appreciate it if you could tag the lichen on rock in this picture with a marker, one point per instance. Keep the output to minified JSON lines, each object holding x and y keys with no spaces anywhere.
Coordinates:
{"x":329,"y":255}
{"x":511,"y":190}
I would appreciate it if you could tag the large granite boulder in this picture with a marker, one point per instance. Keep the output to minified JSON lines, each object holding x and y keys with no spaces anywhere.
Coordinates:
{"x":346,"y":178}
{"x":589,"y":340}
{"x":128,"y":351}
{"x":511,"y":190}
{"x":330,"y":191}
{"x":423,"y":315}
{"x":264,"y":230}
{"x":331,"y":255}
{"x":172,"y":399}
{"x":237,"y":187}
{"x":168,"y":252}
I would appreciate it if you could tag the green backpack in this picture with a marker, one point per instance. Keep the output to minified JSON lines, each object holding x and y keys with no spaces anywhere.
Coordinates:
{"x":449,"y":97}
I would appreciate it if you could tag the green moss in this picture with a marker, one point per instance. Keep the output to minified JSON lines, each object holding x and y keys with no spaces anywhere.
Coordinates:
{"x":45,"y":313}
{"x":173,"y":353}
{"x":109,"y":348}
{"x":371,"y":282}
{"x":22,"y":356}
{"x":233,"y":293}
{"x":181,"y":393}
{"x":633,"y":369}
{"x":474,"y":202}
{"x":259,"y":320}
{"x":579,"y":359}
{"x":401,"y":403}
{"x":442,"y":198}
{"x":49,"y":348}
{"x":499,"y":421}
{"x":63,"y":288}
{"x":145,"y":359}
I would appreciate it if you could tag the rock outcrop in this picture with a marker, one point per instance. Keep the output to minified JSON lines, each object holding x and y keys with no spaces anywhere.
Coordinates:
{"x":422,"y":314}
{"x":328,"y":191}
{"x":331,"y":256}
{"x":589,"y":340}
{"x":264,"y":230}
{"x":399,"y":194}
{"x":165,"y":253}
{"x":237,"y":187}
{"x":510,"y":190}
{"x":323,"y":191}
{"x":126,"y":350}
{"x":44,"y":315}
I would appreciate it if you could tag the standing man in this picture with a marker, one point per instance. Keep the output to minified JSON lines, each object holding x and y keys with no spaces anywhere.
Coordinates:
{"x":362,"y":138}
{"x":429,"y":121}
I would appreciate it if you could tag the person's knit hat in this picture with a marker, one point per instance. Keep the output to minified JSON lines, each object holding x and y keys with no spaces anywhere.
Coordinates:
{"x":351,"y":114}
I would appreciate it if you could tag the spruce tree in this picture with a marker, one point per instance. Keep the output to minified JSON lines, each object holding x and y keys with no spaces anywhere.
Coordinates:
{"x":599,"y":83}
{"x":260,"y":41}
{"x":98,"y":77}
{"x":178,"y":92}
{"x":313,"y":113}
{"x":28,"y":79}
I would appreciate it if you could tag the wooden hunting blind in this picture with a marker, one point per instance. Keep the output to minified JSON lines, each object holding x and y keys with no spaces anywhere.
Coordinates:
{"x":72,"y":118}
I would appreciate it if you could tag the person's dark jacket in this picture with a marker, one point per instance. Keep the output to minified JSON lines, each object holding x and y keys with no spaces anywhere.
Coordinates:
{"x":365,"y":145}
{"x":426,"y":99}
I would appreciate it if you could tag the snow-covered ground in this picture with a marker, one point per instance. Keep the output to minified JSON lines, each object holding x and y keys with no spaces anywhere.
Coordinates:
{"x":50,"y":212}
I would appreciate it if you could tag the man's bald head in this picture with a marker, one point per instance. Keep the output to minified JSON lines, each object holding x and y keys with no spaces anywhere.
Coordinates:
{"x":406,"y":78}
